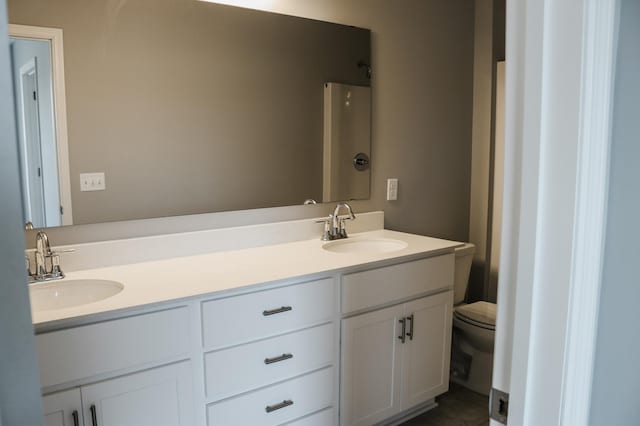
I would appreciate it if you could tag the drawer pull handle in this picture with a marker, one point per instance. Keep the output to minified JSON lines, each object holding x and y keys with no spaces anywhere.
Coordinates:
{"x":403,"y":333}
{"x":277,"y":311}
{"x":76,"y":420}
{"x":283,"y":404}
{"x":282,"y":357}
{"x":94,"y":415}
{"x":410,"y":332}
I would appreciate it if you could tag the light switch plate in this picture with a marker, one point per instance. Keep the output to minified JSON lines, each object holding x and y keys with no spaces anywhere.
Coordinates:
{"x":92,"y":182}
{"x":392,"y":189}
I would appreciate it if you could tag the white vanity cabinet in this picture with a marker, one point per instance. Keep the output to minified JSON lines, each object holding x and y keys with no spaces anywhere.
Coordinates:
{"x":265,"y":357}
{"x":63,"y":408}
{"x":371,"y":367}
{"x":395,"y":358}
{"x":321,"y":349}
{"x":129,"y":371}
{"x":107,"y":348}
{"x":427,"y":349}
{"x":271,"y":356}
{"x":156,"y":397}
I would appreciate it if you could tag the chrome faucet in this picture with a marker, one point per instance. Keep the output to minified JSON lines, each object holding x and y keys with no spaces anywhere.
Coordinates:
{"x":43,"y":251}
{"x":334,"y":227}
{"x":47,"y":262}
{"x":338,"y":222}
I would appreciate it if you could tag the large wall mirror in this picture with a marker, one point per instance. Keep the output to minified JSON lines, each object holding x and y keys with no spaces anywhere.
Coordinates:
{"x":155,"y":108}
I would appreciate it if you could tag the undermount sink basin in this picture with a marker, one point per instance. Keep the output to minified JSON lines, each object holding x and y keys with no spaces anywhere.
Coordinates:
{"x":379,"y":245}
{"x":69,"y":293}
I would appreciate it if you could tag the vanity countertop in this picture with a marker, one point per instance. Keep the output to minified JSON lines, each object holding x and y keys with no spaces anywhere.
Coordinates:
{"x":227,"y":272}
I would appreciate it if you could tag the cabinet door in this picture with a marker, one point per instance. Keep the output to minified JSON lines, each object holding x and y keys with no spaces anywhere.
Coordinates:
{"x":426,"y":355}
{"x":63,"y":408}
{"x":157,"y":397}
{"x":371,"y":366}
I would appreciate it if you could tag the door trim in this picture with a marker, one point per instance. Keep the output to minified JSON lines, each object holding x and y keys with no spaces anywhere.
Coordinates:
{"x":600,"y":42}
{"x":560,"y":60}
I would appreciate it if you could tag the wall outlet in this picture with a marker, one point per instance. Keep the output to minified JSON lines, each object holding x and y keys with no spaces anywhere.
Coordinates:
{"x":92,"y":182}
{"x":392,"y":189}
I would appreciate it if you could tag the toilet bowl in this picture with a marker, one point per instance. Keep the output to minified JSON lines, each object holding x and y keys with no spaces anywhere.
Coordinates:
{"x":473,"y":334}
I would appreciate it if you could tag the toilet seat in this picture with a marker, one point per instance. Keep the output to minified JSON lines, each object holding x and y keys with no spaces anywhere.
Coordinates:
{"x":480,"y":314}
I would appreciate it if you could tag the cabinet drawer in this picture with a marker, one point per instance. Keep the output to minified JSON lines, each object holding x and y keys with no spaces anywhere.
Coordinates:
{"x":323,"y":418}
{"x":268,"y":361}
{"x":252,"y":316}
{"x":375,"y":287}
{"x":276,"y":404}
{"x":90,"y":350}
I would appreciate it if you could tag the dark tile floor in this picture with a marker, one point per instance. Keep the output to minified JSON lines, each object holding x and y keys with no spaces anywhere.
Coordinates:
{"x":458,"y":407}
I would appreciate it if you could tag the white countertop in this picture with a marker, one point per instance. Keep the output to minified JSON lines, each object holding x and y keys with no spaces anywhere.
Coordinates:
{"x":222,"y":272}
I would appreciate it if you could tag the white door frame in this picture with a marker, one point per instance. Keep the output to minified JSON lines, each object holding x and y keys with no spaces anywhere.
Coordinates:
{"x":54,"y":36}
{"x":560,"y":58}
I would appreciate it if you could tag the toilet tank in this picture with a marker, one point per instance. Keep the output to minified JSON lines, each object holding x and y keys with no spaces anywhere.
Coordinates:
{"x":464,"y":259}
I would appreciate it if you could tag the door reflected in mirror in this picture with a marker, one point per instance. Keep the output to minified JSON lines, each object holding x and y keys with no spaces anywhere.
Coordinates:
{"x":44,"y":165}
{"x":186,"y":107}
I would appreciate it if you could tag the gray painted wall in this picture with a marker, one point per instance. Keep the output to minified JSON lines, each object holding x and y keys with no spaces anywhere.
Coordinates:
{"x":422,"y":88}
{"x":616,"y":383}
{"x":20,"y":402}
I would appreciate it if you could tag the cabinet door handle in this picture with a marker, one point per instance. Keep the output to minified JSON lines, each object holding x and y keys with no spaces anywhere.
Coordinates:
{"x":402,"y":335}
{"x":410,"y":332}
{"x":94,"y":415}
{"x":282,"y":357}
{"x":76,"y":421}
{"x":277,"y":311}
{"x":274,"y":407}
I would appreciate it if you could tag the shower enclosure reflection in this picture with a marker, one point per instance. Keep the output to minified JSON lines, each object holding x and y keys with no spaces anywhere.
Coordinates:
{"x":347,"y":136}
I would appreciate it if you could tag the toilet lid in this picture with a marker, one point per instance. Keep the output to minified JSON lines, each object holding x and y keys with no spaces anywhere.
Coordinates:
{"x":481,"y":312}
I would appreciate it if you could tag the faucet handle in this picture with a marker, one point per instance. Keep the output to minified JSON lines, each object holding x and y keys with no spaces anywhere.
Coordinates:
{"x":56,"y":272}
{"x":342,"y":230}
{"x":326,"y":234}
{"x":70,"y":250}
{"x":41,"y":266}
{"x":28,"y":265}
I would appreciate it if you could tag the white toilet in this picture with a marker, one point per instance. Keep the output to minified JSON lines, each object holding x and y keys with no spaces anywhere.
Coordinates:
{"x":474,"y":327}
